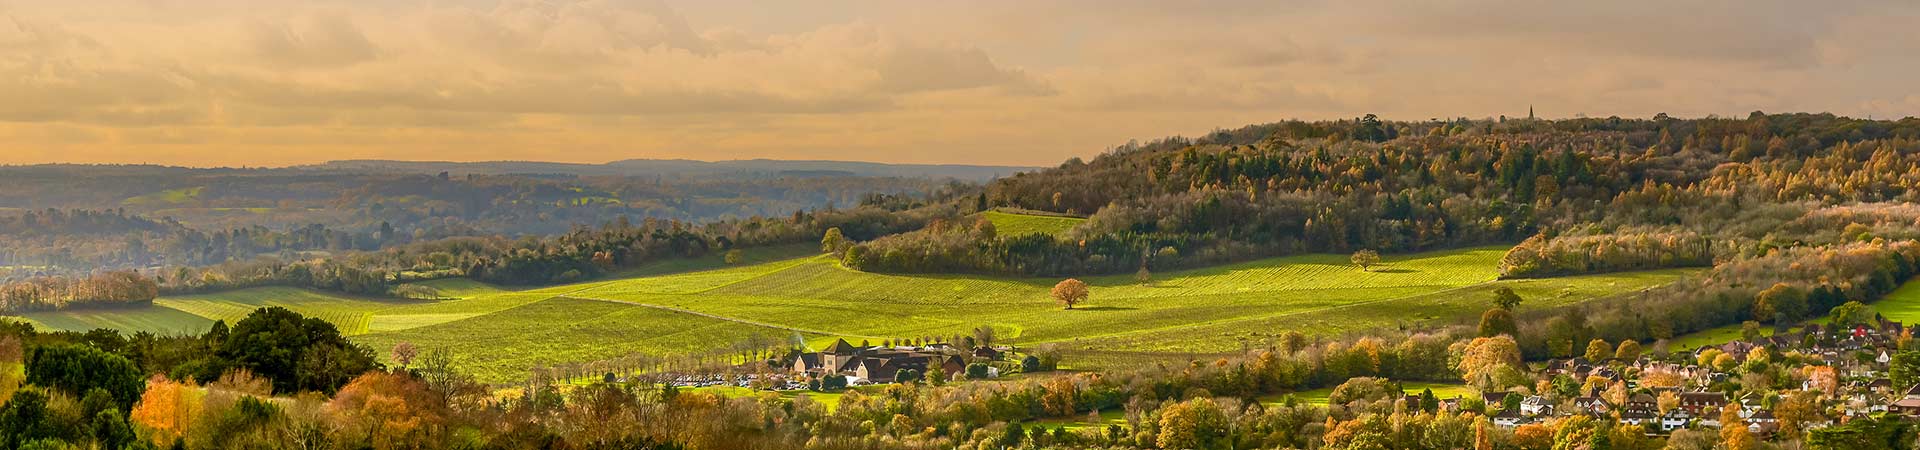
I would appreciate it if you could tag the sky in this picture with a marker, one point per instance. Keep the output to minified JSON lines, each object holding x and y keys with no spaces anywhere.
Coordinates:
{"x":1032,"y":82}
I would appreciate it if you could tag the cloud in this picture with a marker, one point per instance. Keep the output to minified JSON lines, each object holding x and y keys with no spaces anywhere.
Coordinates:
{"x":917,"y":69}
{"x":587,"y":57}
{"x":320,"y":40}
{"x":1027,"y":82}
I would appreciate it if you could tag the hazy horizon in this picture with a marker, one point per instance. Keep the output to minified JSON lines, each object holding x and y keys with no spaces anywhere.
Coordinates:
{"x":512,"y":161}
{"x":278,"y":83}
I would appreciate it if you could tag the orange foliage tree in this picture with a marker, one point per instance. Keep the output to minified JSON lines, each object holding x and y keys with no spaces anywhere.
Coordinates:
{"x":167,"y":409}
{"x":1070,"y":292}
{"x":391,"y":410}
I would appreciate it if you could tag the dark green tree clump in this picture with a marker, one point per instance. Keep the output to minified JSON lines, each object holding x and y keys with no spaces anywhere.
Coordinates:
{"x":298,"y":353}
{"x":79,"y":369}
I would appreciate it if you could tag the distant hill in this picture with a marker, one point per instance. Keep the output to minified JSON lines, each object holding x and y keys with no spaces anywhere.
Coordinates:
{"x":689,"y":168}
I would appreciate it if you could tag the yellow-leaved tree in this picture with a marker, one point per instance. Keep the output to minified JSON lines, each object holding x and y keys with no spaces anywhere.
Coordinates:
{"x":1484,"y":357}
{"x":391,"y":410}
{"x":167,"y":409}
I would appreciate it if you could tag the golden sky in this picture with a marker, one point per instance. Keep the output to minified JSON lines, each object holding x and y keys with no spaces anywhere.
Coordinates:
{"x":275,"y":82}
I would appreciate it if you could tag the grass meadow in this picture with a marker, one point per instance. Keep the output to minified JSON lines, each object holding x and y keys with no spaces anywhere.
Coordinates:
{"x":1011,"y":224}
{"x":683,"y":306}
{"x":1901,"y":305}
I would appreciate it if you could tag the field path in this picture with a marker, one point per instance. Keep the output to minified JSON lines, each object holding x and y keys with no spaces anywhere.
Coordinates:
{"x":719,"y":317}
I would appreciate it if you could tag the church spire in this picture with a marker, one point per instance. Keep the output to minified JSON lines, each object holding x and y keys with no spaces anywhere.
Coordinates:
{"x":1529,"y":112}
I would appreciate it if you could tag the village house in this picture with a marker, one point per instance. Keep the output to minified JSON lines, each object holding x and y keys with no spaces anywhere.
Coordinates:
{"x":873,"y":364}
{"x":1859,"y":356}
{"x":1508,"y":419}
{"x":1675,"y":419}
{"x":1702,"y":403}
{"x":1535,"y":405}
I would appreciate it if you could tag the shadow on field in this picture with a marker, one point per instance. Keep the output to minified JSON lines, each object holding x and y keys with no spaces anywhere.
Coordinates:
{"x":1104,"y":308}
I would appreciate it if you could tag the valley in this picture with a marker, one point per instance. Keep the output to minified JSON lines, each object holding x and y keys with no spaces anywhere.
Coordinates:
{"x":500,"y":333}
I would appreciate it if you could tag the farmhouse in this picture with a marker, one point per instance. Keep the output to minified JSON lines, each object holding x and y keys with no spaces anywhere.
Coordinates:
{"x":877,"y":364}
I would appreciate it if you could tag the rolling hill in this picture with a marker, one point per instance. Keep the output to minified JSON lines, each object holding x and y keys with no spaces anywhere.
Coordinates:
{"x":782,"y":293}
{"x":753,"y":168}
{"x":1197,"y":312}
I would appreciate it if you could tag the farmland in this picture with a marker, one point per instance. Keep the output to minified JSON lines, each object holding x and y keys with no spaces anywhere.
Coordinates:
{"x":786,"y":293}
{"x":1013,"y":224}
{"x":1204,"y":311}
{"x":1901,"y":305}
{"x":171,"y":196}
{"x":1440,"y":390}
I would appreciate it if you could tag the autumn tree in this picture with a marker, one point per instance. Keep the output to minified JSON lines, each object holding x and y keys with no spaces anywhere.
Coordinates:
{"x":1782,"y":303}
{"x":833,"y":242}
{"x":1059,"y":396}
{"x":404,"y":352}
{"x":1070,"y":292}
{"x":1482,"y":437}
{"x":734,"y":256}
{"x":1197,"y":424}
{"x":1798,"y":410}
{"x":1667,"y":401}
{"x":1365,"y":259}
{"x":10,"y":362}
{"x":1822,"y":379}
{"x":1629,"y":350}
{"x":167,"y":409}
{"x":389,"y":410}
{"x":1598,"y":350}
{"x":1733,"y":429}
{"x":1482,"y":358}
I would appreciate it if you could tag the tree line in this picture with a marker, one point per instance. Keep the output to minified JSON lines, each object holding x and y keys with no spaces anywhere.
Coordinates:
{"x":584,"y":253}
{"x":1296,"y":187}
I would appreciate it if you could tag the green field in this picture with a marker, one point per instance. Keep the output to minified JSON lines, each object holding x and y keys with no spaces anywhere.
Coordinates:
{"x":1195,"y":312}
{"x":171,"y":196}
{"x":1901,"y":305}
{"x":353,"y":315}
{"x":1011,"y":224}
{"x":195,"y":313}
{"x":686,"y":306}
{"x":1440,"y":390}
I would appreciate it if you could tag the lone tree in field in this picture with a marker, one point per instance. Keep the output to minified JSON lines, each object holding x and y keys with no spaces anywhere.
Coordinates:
{"x":1070,"y":292}
{"x":1505,"y":298}
{"x":404,"y":353}
{"x":1366,"y":259}
{"x":734,"y":256}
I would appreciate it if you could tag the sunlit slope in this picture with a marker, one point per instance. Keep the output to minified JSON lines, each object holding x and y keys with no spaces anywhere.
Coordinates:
{"x":1012,"y":224}
{"x":699,"y":305}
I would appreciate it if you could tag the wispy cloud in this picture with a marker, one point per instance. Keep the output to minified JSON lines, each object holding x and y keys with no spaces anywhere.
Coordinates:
{"x":228,"y":82}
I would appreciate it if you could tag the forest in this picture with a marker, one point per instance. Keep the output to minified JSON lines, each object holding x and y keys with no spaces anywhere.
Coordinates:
{"x":1634,"y":193}
{"x":56,"y":219}
{"x":582,"y":254}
